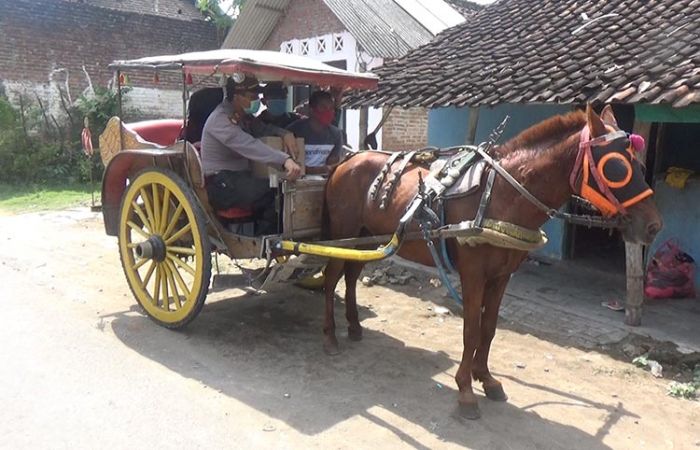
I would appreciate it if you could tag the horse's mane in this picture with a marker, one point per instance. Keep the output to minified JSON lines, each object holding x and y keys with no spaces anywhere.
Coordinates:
{"x":544,"y":135}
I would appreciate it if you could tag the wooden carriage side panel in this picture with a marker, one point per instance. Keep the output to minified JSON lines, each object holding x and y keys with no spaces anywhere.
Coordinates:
{"x":303,"y":208}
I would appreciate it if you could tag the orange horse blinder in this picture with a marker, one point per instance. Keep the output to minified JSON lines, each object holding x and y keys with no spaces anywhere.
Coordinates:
{"x":612,"y":178}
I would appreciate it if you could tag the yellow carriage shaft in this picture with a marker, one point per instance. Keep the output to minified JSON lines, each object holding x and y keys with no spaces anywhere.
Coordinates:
{"x":350,"y":254}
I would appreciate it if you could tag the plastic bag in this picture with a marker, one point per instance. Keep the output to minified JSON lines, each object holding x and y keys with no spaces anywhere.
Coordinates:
{"x":670,"y":273}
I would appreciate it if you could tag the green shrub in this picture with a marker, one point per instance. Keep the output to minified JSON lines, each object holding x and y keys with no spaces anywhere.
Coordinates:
{"x":35,"y":149}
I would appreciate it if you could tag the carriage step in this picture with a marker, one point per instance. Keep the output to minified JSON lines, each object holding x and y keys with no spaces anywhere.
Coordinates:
{"x":294,"y":269}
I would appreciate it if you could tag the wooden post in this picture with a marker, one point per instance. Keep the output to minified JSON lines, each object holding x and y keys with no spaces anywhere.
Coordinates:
{"x":364,"y":114}
{"x":635,"y":284}
{"x":471,"y":126}
{"x":634,"y":254}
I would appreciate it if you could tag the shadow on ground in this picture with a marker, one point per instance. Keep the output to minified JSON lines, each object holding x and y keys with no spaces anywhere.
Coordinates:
{"x":266,"y":352}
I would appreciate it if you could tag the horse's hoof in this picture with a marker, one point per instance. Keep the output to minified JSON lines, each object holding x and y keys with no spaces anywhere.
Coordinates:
{"x":355,"y":334}
{"x":495,"y":393}
{"x":469,"y":411}
{"x":331,"y":348}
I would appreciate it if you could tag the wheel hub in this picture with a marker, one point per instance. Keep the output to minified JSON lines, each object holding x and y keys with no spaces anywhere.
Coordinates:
{"x":153,"y":248}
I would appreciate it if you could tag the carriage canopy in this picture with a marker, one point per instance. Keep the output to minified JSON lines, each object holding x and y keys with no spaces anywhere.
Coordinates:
{"x":266,"y":65}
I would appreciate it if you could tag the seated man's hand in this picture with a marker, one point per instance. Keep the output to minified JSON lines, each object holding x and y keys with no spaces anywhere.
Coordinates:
{"x":289,"y":144}
{"x":292,"y":169}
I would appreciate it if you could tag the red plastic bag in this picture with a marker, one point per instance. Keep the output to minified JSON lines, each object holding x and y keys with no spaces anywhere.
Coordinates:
{"x":670,"y":273}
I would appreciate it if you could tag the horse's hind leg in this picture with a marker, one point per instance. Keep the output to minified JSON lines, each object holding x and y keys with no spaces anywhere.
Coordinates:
{"x":332,"y":274}
{"x":352,"y":273}
{"x":480,"y":370}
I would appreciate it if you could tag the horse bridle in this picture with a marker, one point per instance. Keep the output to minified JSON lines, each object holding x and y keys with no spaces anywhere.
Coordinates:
{"x":613,"y":210}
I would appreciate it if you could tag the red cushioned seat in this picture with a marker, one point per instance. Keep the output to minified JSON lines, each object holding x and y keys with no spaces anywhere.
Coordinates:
{"x":162,"y":131}
{"x":235,"y":213}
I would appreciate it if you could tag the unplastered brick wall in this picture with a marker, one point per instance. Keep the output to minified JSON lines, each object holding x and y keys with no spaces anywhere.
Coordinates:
{"x":302,"y":19}
{"x":405,"y":129}
{"x":44,"y":45}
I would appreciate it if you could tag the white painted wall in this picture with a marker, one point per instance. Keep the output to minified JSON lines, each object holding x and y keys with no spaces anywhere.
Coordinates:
{"x":154,"y":103}
{"x":139,"y":101}
{"x":349,"y":53}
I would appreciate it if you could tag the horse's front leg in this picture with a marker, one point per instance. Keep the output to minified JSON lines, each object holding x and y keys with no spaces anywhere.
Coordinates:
{"x":332,"y":274}
{"x":493,"y":294}
{"x":472,"y":294}
{"x":352,"y":273}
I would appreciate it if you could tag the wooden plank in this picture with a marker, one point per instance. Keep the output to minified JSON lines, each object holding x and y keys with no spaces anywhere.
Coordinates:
{"x":634,"y":258}
{"x":303,"y":207}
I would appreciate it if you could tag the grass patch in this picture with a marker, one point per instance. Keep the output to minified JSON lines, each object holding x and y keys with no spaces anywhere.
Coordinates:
{"x":21,"y":199}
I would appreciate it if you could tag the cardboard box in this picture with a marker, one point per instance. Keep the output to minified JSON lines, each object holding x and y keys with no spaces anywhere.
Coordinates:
{"x":264,"y":171}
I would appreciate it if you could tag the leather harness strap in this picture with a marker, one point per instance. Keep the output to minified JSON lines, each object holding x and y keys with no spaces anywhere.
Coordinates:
{"x":395,"y":179}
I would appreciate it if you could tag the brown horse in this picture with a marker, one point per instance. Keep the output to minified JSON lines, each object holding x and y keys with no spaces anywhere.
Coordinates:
{"x":541,"y":159}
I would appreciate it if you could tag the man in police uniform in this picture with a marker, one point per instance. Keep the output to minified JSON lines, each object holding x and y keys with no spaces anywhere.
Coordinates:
{"x":229,"y":144}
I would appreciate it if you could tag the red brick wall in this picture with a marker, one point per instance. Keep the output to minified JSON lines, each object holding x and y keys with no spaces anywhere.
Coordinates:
{"x":38,"y":36}
{"x":405,"y":129}
{"x":303,"y":19}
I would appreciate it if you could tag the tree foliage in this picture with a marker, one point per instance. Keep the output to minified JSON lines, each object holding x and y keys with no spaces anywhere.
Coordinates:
{"x":221,"y":13}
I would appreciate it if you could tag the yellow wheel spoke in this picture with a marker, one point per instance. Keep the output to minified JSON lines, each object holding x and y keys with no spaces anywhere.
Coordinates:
{"x":156,"y":208}
{"x":173,"y":287}
{"x":156,"y":288}
{"x":180,"y":263}
{"x":142,"y":216}
{"x":178,"y":234}
{"x":147,"y":205}
{"x":140,"y":263}
{"x":132,"y":245}
{"x":181,"y":250}
{"x":148,"y":275}
{"x":137,"y":229}
{"x":166,"y":208}
{"x":178,"y":278}
{"x":164,"y":285}
{"x":173,"y":221}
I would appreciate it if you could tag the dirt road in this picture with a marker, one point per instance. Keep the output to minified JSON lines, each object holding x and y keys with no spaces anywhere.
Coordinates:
{"x":82,"y":368}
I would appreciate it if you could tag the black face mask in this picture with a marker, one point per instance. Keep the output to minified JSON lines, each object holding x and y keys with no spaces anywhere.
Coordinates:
{"x":616,"y":179}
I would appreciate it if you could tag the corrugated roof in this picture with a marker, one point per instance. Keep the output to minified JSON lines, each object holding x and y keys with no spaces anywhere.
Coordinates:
{"x":563,"y":51}
{"x":173,"y":9}
{"x":436,"y":16}
{"x":381,"y":27}
{"x":257,"y":20}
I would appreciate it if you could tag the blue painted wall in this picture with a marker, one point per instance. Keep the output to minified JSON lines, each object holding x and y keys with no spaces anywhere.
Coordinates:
{"x":521,"y":117}
{"x":448,"y":127}
{"x":680,"y":209}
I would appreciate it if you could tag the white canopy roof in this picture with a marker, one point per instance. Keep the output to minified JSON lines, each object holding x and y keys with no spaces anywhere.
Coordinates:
{"x":265,"y":65}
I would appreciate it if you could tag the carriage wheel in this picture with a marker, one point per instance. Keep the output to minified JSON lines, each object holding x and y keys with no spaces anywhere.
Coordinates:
{"x":164,"y":247}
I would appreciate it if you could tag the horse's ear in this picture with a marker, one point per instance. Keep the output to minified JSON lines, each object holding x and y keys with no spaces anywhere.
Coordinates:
{"x":595,"y":125}
{"x":608,"y":116}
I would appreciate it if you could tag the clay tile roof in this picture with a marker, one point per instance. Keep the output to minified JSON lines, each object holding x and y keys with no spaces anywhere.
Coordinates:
{"x":554,"y":51}
{"x":465,"y":7}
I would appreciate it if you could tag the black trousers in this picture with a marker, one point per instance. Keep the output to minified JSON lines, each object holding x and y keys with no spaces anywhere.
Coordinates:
{"x":240,"y":189}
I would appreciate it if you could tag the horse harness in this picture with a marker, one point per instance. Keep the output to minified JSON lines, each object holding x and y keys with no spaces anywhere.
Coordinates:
{"x":606,"y":173}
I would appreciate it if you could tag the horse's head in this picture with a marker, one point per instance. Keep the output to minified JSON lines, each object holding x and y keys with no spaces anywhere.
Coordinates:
{"x":609,"y":174}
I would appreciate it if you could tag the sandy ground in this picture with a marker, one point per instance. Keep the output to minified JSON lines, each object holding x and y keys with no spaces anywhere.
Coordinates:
{"x":81,"y":367}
